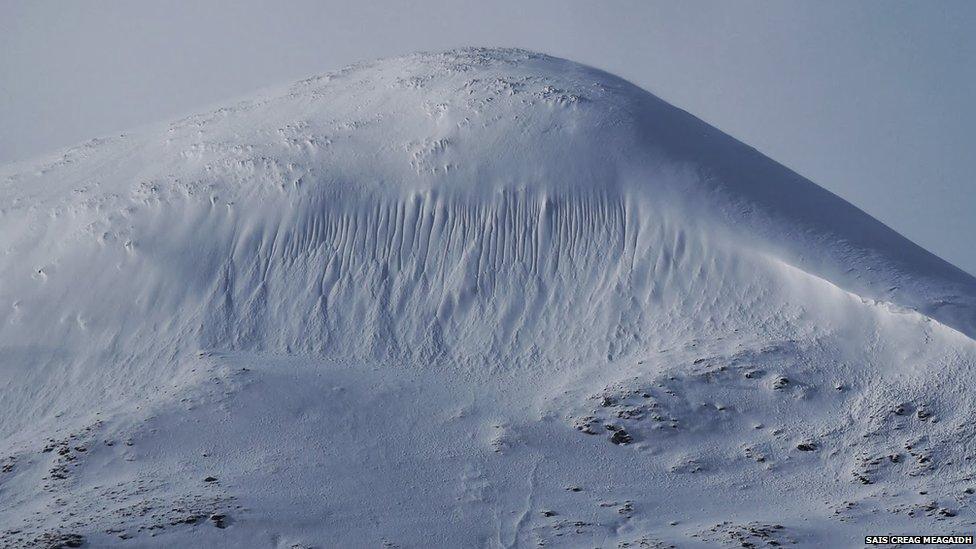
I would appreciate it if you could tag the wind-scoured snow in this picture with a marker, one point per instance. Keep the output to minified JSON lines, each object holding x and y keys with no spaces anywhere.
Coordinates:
{"x":480,"y":298}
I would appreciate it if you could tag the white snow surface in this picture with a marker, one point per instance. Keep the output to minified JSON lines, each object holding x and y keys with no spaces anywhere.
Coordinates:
{"x":478,"y":298}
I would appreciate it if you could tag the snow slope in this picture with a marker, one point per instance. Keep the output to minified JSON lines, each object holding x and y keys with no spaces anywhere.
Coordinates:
{"x":413,"y":301}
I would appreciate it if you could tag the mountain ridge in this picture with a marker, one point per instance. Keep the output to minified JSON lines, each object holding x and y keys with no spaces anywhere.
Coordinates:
{"x":749,"y":180}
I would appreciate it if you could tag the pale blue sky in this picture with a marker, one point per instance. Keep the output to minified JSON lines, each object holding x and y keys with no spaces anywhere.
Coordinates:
{"x":870,"y":99}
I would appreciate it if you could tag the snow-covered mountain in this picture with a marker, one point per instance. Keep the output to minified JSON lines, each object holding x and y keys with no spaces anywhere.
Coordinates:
{"x":480,"y":298}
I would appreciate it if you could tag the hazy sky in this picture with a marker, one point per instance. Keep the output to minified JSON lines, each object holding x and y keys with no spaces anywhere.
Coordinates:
{"x":870,"y":99}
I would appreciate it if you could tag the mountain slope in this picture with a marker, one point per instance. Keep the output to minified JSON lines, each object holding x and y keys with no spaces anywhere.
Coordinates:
{"x":516,"y":250}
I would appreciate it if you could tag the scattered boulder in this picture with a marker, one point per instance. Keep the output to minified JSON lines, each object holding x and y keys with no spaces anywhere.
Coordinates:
{"x":586,"y":425}
{"x":219,"y":520}
{"x":620,"y":436}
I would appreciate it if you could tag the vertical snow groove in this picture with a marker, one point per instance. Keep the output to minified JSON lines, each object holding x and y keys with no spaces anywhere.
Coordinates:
{"x":514,"y":231}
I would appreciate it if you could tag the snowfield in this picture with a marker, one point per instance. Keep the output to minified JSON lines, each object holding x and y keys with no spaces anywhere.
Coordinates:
{"x":479,"y":298}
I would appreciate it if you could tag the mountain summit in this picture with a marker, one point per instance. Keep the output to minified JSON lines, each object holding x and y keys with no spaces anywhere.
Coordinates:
{"x":395,"y":303}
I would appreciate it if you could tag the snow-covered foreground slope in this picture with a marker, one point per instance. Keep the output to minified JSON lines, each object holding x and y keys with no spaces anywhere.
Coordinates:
{"x":478,"y":298}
